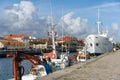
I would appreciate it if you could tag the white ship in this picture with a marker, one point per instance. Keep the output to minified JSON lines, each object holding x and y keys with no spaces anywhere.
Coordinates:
{"x":99,"y":43}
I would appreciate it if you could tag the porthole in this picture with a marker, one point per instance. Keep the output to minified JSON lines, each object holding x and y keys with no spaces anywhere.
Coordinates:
{"x":97,"y":44}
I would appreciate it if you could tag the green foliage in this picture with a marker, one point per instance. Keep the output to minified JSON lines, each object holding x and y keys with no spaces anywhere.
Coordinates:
{"x":117,"y":45}
{"x":40,"y":42}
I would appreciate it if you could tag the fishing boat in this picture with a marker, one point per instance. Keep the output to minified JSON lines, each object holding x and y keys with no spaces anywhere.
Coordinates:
{"x":39,"y":68}
{"x":37,"y":72}
{"x":98,"y":43}
{"x":83,"y":56}
{"x":59,"y":59}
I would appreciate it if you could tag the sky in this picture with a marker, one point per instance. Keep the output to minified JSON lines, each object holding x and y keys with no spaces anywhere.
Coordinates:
{"x":71,"y":17}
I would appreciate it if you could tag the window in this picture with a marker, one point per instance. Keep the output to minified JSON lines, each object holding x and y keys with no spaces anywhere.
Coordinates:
{"x":82,"y":57}
{"x":97,"y":44}
{"x":90,"y":44}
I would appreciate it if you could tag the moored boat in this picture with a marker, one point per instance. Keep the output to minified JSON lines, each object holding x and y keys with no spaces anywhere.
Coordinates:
{"x":60,"y":60}
{"x":83,"y":56}
{"x":98,"y":43}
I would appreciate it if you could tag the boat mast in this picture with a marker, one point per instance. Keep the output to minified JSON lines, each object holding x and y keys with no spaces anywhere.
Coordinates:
{"x":53,"y":38}
{"x":98,"y":22}
{"x":62,"y":30}
{"x":52,"y":30}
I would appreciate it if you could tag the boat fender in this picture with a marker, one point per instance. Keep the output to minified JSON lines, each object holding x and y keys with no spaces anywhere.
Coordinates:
{"x":54,"y":56}
{"x":62,"y":66}
{"x":78,"y":58}
{"x":47,"y":68}
{"x":64,"y":62}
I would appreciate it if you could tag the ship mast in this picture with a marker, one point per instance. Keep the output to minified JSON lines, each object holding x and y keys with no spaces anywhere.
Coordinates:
{"x":98,"y":22}
{"x":53,"y":38}
{"x":52,"y":30}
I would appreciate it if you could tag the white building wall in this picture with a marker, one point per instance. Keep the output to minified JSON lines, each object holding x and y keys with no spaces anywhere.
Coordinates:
{"x":1,"y":45}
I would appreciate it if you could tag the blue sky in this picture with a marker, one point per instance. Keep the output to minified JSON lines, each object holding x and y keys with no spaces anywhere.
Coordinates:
{"x":78,"y":17}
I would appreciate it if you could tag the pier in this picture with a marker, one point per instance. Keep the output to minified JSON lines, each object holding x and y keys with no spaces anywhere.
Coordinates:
{"x":104,"y":67}
{"x":4,"y":53}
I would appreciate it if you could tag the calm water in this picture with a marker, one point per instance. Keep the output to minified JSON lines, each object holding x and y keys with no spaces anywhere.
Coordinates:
{"x":6,"y":68}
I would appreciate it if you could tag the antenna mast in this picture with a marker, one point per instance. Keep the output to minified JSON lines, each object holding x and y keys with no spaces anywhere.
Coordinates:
{"x":62,"y":29}
{"x":98,"y":22}
{"x":52,"y":29}
{"x":51,"y":13}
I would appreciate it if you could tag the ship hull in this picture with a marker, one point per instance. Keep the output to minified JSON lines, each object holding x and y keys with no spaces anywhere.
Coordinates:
{"x":98,"y":44}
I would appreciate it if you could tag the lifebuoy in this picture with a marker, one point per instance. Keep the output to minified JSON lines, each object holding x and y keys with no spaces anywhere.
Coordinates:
{"x":62,"y":65}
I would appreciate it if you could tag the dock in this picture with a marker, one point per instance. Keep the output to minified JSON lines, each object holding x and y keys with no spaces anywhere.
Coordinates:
{"x":103,"y":67}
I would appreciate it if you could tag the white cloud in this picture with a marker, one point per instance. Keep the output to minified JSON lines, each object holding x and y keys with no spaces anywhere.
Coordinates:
{"x":23,"y":13}
{"x":74,"y":26}
{"x":24,"y":10}
{"x":105,"y":5}
{"x":115,"y":26}
{"x":21,"y":18}
{"x":67,"y":18}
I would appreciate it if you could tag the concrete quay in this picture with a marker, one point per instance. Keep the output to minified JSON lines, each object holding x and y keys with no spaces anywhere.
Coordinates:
{"x":104,"y":67}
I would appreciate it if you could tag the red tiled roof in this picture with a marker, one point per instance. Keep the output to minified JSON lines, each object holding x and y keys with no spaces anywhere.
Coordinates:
{"x":67,"y":38}
{"x":12,"y":36}
{"x":12,"y":42}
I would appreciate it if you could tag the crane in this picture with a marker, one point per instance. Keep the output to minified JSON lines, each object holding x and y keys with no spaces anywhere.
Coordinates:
{"x":18,"y":57}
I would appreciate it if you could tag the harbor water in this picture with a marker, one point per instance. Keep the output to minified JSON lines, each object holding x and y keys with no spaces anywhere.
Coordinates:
{"x":6,"y":68}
